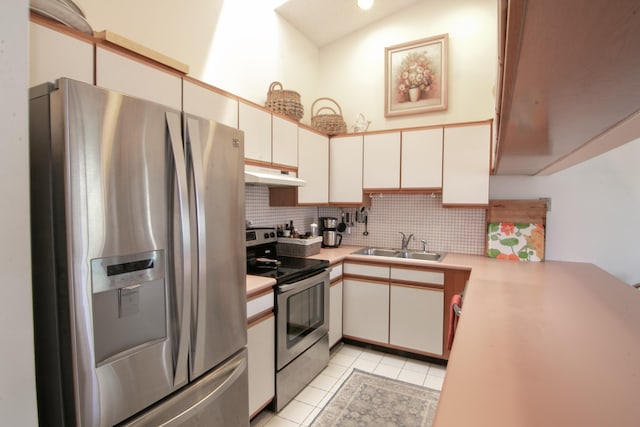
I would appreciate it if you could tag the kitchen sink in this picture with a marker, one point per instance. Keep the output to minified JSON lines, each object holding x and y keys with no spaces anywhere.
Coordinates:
{"x":425,"y":256}
{"x":378,"y":252}
{"x":394,"y":253}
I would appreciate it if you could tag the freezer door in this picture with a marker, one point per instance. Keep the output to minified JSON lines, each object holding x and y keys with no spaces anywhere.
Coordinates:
{"x":103,"y":253}
{"x":215,"y":165}
{"x":219,"y":398}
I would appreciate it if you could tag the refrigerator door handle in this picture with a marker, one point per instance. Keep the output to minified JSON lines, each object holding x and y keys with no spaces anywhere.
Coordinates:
{"x":178,"y":420}
{"x":174,"y":127}
{"x":194,"y":153}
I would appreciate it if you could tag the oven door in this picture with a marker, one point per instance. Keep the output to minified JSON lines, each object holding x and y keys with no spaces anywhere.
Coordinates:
{"x":302,"y":316}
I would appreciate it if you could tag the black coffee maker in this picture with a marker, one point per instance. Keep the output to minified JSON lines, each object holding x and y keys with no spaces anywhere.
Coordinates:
{"x":329,"y":232}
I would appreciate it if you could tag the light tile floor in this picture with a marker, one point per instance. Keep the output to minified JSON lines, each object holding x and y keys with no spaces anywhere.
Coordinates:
{"x":301,"y":411}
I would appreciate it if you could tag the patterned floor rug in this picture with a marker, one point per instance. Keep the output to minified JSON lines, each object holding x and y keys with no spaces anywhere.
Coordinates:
{"x":366,"y":399}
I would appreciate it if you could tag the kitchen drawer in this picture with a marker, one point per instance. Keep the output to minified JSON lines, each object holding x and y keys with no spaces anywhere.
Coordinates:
{"x":368,"y":270}
{"x":420,"y":276}
{"x":259,"y":304}
{"x":336,"y":271}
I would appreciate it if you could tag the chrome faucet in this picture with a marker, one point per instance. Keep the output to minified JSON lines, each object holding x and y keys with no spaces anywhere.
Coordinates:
{"x":424,"y":245}
{"x":405,"y":240}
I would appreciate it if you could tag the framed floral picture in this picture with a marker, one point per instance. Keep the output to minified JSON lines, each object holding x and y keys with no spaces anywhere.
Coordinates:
{"x":416,"y":77}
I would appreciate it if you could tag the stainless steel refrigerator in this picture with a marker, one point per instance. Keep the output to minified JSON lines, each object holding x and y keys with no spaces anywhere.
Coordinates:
{"x":138,"y":262}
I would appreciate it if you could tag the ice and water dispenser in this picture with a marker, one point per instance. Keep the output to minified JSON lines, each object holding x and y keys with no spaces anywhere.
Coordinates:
{"x":129,"y":303}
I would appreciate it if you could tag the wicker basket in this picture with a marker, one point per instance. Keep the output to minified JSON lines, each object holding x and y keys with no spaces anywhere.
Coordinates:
{"x":331,"y":124}
{"x":286,"y":102}
{"x":299,"y":247}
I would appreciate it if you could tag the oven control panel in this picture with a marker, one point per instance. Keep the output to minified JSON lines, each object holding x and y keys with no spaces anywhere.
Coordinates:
{"x":260,"y":236}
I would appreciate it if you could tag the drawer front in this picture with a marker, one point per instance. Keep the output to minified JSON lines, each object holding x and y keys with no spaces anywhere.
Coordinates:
{"x":381,"y":272}
{"x":336,"y":271}
{"x":259,"y":304}
{"x":420,"y":276}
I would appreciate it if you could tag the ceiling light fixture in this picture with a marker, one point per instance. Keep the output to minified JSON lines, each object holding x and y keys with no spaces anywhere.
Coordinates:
{"x":364,"y":4}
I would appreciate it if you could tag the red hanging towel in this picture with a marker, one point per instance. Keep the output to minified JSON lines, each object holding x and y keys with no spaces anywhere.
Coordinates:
{"x":453,"y":318}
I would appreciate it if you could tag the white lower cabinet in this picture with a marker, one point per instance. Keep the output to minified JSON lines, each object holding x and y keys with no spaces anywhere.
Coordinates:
{"x":261,"y":347}
{"x":335,"y":313}
{"x":416,"y":318}
{"x":396,"y":306}
{"x":366,"y":310}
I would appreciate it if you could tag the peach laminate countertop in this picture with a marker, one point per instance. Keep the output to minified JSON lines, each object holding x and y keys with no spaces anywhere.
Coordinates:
{"x":543,"y":344}
{"x":256,"y":285}
{"x":538,"y":344}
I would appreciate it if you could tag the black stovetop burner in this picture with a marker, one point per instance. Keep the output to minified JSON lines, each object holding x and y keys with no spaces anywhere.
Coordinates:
{"x":263,"y":260}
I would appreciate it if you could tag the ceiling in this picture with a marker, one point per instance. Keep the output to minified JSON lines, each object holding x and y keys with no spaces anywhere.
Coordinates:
{"x":325,"y":21}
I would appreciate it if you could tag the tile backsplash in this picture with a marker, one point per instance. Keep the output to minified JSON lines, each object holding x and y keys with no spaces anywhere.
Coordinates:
{"x":445,"y":229}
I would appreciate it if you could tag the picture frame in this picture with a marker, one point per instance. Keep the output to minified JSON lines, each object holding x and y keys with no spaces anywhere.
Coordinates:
{"x":416,"y":80}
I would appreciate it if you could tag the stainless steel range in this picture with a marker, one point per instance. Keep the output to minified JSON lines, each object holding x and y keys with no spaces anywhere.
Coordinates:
{"x":302,"y":312}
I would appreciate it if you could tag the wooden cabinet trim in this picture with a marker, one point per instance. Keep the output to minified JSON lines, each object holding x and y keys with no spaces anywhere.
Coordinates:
{"x":134,"y":56}
{"x":364,"y":340}
{"x":368,"y":279}
{"x":417,"y":285}
{"x":425,"y":190}
{"x":61,"y":28}
{"x":336,"y":281}
{"x":259,"y":318}
{"x":441,"y":125}
{"x":412,"y":350}
{"x":252,"y":296}
{"x":209,"y":87}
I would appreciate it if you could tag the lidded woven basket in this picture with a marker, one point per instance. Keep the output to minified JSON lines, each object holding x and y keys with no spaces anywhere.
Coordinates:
{"x":330,"y":123}
{"x":283,"y":101}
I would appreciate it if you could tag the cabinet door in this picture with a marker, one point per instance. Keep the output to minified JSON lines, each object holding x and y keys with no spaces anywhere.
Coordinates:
{"x":345,"y":169}
{"x":465,"y":178}
{"x":381,"y":161}
{"x":335,"y":313}
{"x":366,"y":310}
{"x":313,"y":167}
{"x":422,"y":159}
{"x":53,"y":55}
{"x":284,"y":142}
{"x":256,"y":124}
{"x":209,"y":104}
{"x":416,"y":318}
{"x":124,"y":74}
{"x":261,"y":348}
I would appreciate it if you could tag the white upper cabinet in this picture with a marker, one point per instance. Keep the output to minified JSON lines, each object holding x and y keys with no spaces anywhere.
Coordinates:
{"x":121,"y":73}
{"x":345,"y":170}
{"x":422,"y":159}
{"x":209,"y":104}
{"x":53,"y":54}
{"x":465,"y":179}
{"x":268,"y":138}
{"x":284,"y":140}
{"x":381,"y":163}
{"x":313,"y":167}
{"x":256,"y":124}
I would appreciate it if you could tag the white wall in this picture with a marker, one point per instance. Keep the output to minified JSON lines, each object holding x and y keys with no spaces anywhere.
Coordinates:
{"x":595,"y":210}
{"x":352,"y":70}
{"x":243,"y":45}
{"x":17,"y":387}
{"x":237,"y":45}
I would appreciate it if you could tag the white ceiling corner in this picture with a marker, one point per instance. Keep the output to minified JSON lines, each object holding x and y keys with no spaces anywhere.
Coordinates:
{"x":325,"y":21}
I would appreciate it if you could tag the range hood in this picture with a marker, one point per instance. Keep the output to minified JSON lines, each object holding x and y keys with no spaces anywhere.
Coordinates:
{"x":254,"y":175}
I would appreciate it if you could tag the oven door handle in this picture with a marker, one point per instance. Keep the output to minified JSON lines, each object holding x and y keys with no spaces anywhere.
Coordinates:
{"x":301,"y":285}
